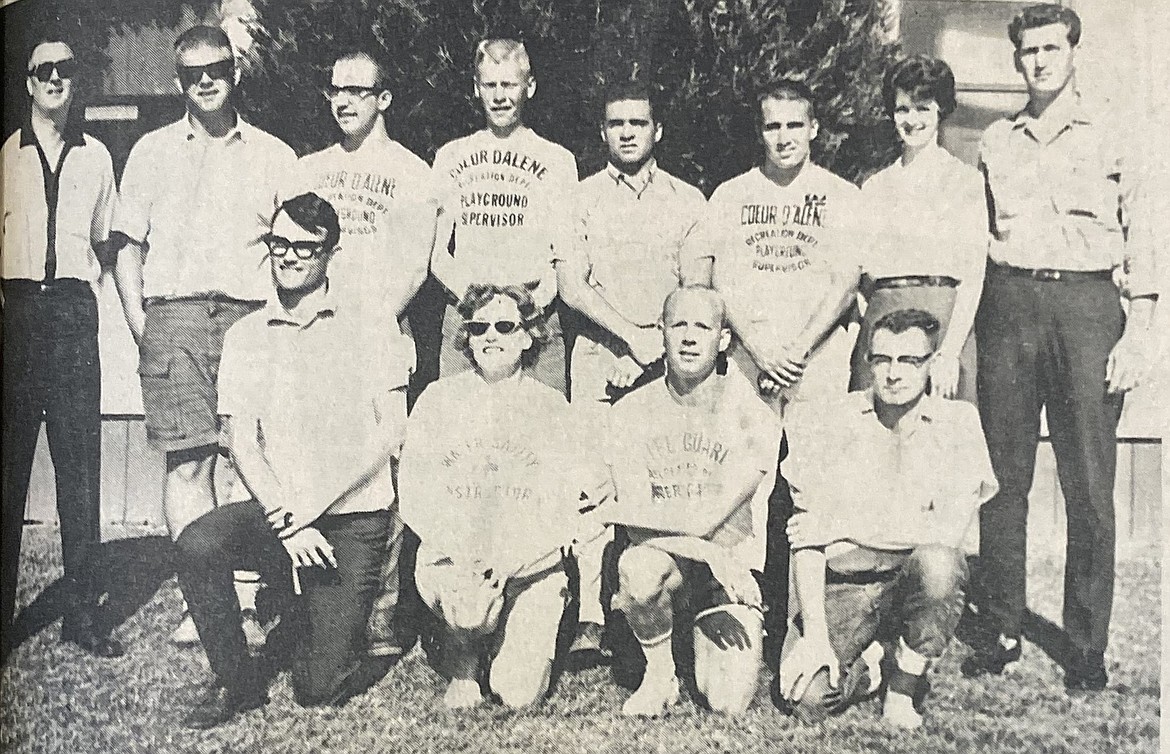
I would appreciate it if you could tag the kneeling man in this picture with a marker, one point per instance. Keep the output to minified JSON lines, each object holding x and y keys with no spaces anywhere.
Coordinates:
{"x":886,"y":482}
{"x":688,"y":454}
{"x":313,"y":391}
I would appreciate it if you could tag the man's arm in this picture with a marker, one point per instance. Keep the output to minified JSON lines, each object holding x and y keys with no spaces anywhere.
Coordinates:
{"x":812,"y":651}
{"x":242,"y":434}
{"x":416,"y":242}
{"x":128,"y":280}
{"x":645,"y":343}
{"x":737,"y":580}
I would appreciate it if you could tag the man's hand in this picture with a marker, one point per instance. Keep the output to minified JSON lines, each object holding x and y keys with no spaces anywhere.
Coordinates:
{"x":737,"y":581}
{"x":308,"y":548}
{"x":625,"y":372}
{"x":784,"y":366}
{"x":807,"y":529}
{"x":724,"y":631}
{"x":798,"y":669}
{"x":645,"y":344}
{"x":1128,"y":362}
{"x":944,"y":375}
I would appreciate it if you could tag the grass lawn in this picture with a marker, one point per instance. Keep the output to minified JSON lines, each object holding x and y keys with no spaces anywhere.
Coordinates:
{"x":56,"y":700}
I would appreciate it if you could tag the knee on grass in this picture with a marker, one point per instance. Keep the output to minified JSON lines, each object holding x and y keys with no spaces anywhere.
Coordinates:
{"x":519,"y":687}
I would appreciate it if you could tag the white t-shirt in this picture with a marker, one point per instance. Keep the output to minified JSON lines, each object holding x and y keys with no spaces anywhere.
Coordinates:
{"x":508,"y":201}
{"x":494,"y":471}
{"x":775,"y":246}
{"x":382,"y":196}
{"x":684,"y":453}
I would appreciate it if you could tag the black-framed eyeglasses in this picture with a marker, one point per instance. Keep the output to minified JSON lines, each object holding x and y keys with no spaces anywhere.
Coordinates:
{"x":503,"y":327}
{"x":190,"y":75}
{"x":882,"y":360}
{"x":354,"y":92}
{"x":304,"y":250}
{"x":66,"y":69}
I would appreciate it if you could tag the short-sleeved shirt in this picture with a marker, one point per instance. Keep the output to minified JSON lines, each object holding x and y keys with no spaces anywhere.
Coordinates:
{"x":202,"y":206}
{"x":928,"y":218}
{"x":381,"y":195}
{"x":684,"y":454}
{"x":494,"y":471}
{"x":508,"y":201}
{"x":775,"y":246}
{"x":848,"y":467}
{"x":309,"y":382}
{"x":81,"y":218}
{"x":630,"y":233}
{"x":1062,"y":192}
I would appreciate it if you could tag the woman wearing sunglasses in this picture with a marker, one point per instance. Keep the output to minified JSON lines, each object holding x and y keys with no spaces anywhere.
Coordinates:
{"x":491,"y":480}
{"x":930,"y":241}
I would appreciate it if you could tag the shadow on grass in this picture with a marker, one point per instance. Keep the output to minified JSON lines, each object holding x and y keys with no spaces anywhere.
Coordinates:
{"x":128,"y":571}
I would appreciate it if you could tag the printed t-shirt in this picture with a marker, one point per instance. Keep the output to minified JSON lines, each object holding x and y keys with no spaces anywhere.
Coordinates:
{"x":683,"y":454}
{"x":508,"y":202}
{"x":493,"y":471}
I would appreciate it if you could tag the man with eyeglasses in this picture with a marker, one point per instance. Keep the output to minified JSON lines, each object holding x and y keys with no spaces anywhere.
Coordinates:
{"x":313,"y":399}
{"x":52,"y":237}
{"x":196,"y":201}
{"x":887,"y":483}
{"x":503,"y":195}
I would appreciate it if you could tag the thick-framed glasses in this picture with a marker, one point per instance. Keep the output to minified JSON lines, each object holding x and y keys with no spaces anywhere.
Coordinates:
{"x":281,"y":247}
{"x":353,"y":92}
{"x":882,"y":360}
{"x":503,"y":327}
{"x":43,"y":72}
{"x":190,"y":75}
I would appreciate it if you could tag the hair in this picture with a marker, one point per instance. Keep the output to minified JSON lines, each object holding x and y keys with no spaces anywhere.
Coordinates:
{"x":202,"y":36}
{"x":923,"y":78}
{"x":531,"y":316}
{"x":788,"y":90}
{"x":901,"y":320}
{"x":707,"y":291}
{"x":311,"y":212}
{"x":502,"y":50}
{"x":1045,"y":14}
{"x":381,"y":73}
{"x":50,"y":37}
{"x":630,"y":90}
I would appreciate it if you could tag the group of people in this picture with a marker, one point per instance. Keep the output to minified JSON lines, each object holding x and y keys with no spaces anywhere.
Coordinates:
{"x":700,"y":424}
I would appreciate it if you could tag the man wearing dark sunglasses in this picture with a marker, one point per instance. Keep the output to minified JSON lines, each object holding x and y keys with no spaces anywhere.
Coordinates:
{"x":887,"y":483}
{"x":197,"y":198}
{"x":65,"y":181}
{"x":313,"y":400}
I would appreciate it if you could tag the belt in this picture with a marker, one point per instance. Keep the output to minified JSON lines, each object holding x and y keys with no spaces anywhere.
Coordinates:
{"x":860,"y":578}
{"x":214,"y":296}
{"x":1051,"y":276}
{"x":916,"y":281}
{"x":23,"y":287}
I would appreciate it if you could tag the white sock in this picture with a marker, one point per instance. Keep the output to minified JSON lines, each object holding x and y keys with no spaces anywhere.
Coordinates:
{"x":247,"y":586}
{"x":910,"y":661}
{"x":872,"y":656}
{"x":659,"y":654}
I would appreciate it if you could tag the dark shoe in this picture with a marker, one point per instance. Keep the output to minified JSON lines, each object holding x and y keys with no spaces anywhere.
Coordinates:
{"x":990,"y":659}
{"x":1088,"y":674}
{"x":590,"y":638}
{"x":222,"y":704}
{"x":92,"y":641}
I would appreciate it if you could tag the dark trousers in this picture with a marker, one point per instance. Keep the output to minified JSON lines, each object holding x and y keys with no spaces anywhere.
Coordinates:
{"x":51,"y":372}
{"x":774,"y":584}
{"x":328,"y":621}
{"x":1044,"y":344}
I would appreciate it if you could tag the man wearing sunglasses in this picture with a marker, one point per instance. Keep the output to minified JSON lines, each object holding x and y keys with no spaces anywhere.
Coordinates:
{"x":197,"y":198}
{"x":504,"y":194}
{"x":313,"y":400}
{"x":886,"y":482}
{"x":65,"y":181}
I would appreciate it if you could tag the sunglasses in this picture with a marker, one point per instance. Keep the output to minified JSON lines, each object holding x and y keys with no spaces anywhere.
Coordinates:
{"x":189,"y":75}
{"x":503,"y":327}
{"x":66,"y":69}
{"x":881,"y":360}
{"x":304,"y":250}
{"x":354,"y":92}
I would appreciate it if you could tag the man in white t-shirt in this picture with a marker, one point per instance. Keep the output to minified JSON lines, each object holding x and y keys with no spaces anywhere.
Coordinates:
{"x":786,"y":256}
{"x":504,"y":195}
{"x":691,"y":455}
{"x":633,"y":221}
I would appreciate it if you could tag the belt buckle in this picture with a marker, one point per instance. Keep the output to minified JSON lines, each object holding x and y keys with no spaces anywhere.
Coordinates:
{"x":1046,"y":275}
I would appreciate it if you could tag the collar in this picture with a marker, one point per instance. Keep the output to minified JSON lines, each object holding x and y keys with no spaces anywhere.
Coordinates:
{"x":320,"y":304}
{"x":73,"y":135}
{"x":924,"y":412}
{"x":1067,"y":109}
{"x":639,"y":181}
{"x":240,"y":131}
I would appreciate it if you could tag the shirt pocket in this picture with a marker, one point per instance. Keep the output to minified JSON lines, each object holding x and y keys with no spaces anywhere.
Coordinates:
{"x":1087,"y":187}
